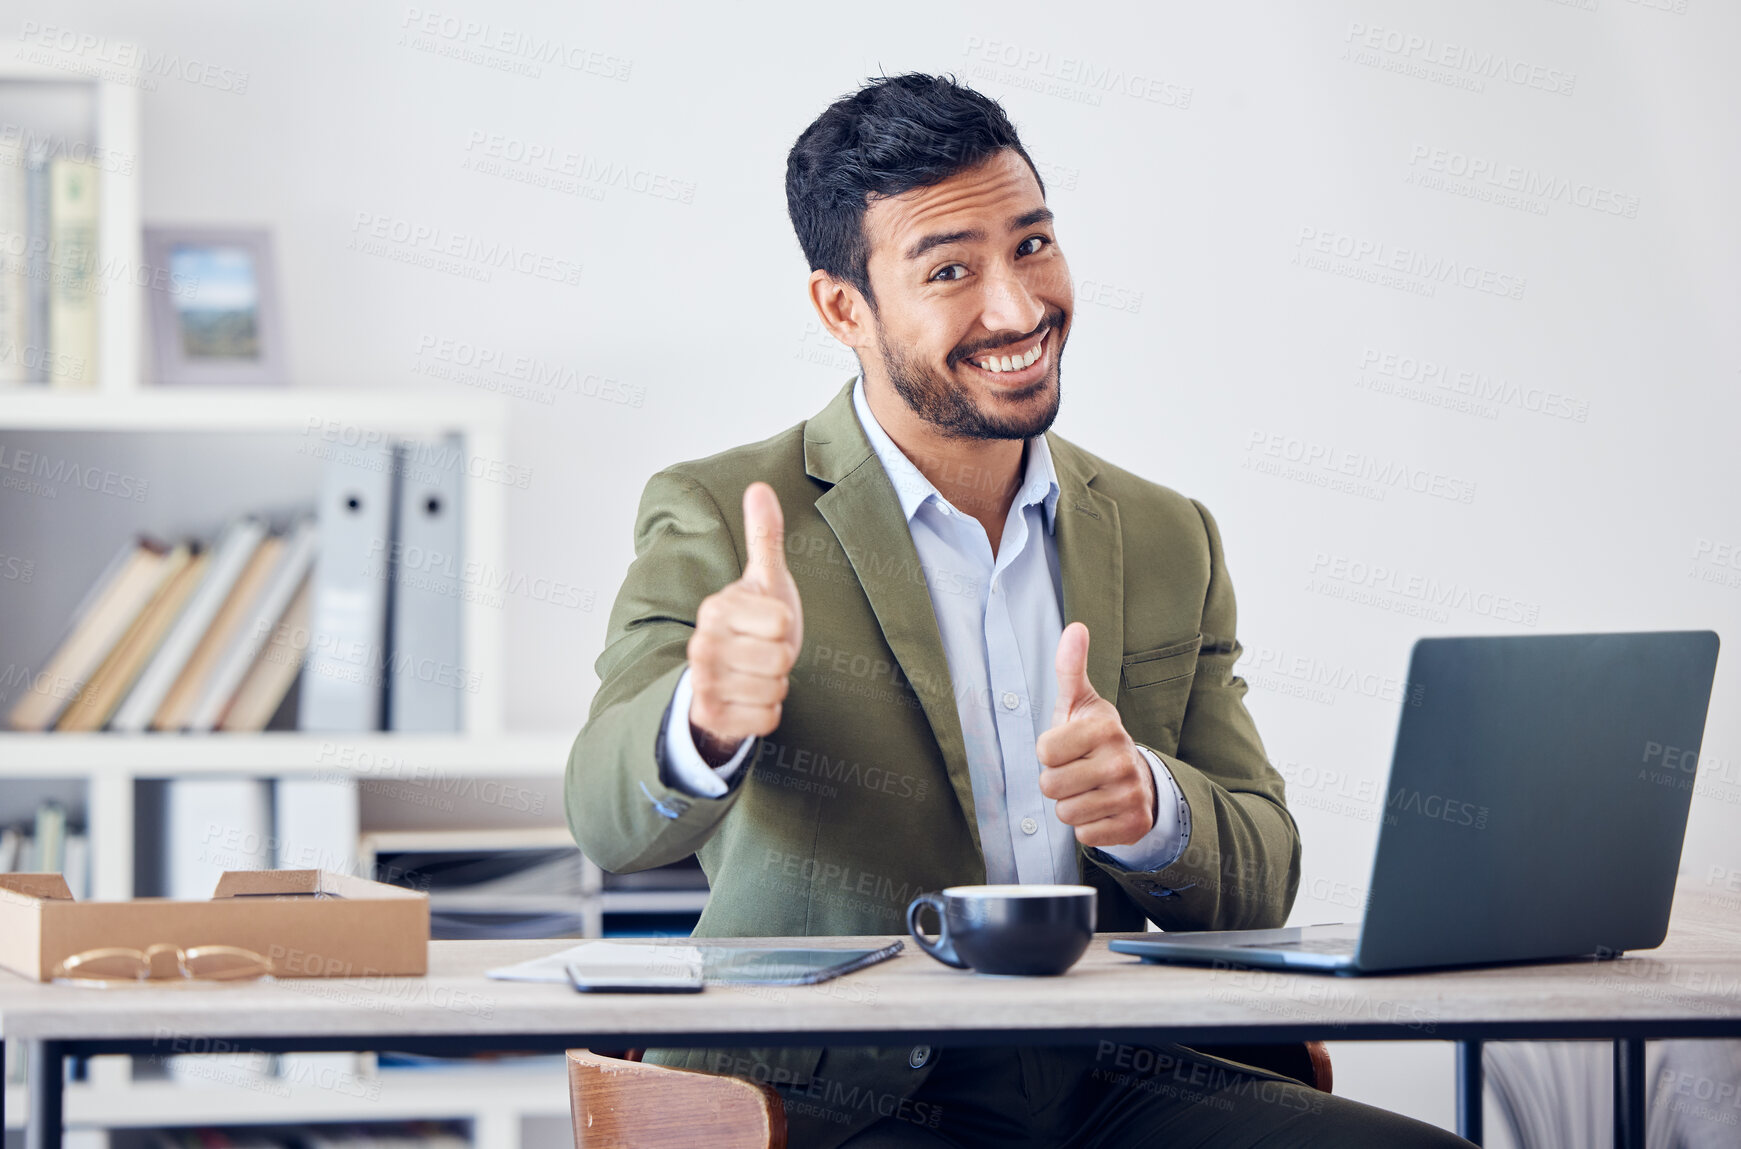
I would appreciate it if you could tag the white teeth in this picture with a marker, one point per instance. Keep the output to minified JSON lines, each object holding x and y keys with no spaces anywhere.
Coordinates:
{"x":1001,"y":363}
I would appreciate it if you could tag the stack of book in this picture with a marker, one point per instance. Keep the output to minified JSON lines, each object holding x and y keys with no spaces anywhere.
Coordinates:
{"x":48,"y":262}
{"x":211,"y":635}
{"x":186,"y":636}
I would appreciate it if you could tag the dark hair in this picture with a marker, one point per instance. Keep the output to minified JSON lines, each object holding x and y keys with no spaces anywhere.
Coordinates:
{"x":894,"y":134}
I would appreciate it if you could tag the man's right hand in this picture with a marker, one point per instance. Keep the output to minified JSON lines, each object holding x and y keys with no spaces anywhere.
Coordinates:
{"x":747,"y":638}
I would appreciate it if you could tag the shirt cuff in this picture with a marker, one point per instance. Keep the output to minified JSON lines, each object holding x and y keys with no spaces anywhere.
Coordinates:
{"x":682,"y":766}
{"x":1162,"y":845}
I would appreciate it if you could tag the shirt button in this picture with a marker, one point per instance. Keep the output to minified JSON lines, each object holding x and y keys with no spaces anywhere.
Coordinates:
{"x":920,"y":1055}
{"x":1010,"y":700}
{"x":1029,"y":826}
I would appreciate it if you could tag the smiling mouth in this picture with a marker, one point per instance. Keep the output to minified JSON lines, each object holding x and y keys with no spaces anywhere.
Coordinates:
{"x":1021,"y":364}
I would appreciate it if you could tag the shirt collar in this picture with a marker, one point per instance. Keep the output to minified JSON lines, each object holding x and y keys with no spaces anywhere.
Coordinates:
{"x":1039,"y":483}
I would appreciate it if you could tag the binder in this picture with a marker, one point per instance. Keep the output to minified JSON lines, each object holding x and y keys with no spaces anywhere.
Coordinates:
{"x":254,"y":629}
{"x":342,"y":683}
{"x":229,"y":555}
{"x":425,"y":672}
{"x":211,"y":825}
{"x":318,"y":823}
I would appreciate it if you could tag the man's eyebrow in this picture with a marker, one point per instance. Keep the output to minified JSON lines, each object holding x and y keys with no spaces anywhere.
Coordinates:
{"x":940,"y":239}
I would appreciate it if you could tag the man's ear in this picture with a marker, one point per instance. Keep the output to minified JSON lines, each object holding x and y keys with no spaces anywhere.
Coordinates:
{"x":844,"y":312}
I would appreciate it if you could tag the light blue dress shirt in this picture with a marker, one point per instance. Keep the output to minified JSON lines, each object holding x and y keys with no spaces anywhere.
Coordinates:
{"x":1000,"y":619}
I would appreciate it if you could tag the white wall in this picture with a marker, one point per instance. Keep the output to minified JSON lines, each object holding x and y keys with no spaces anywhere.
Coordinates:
{"x":1272,"y":122}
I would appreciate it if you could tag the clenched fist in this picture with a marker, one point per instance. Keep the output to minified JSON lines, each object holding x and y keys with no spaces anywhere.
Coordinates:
{"x":1100,"y":780}
{"x":747,"y":638}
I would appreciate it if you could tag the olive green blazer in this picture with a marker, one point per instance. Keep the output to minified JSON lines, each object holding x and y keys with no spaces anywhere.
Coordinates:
{"x":861,"y":799}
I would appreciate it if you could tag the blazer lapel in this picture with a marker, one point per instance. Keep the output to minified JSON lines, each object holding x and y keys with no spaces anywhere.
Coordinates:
{"x":1091,"y":562}
{"x":864,"y":513}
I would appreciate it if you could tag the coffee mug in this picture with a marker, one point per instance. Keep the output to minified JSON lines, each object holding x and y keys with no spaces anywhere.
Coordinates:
{"x":1014,"y":929}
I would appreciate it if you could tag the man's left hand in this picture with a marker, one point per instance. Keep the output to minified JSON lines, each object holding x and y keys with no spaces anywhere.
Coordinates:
{"x":1100,"y":780}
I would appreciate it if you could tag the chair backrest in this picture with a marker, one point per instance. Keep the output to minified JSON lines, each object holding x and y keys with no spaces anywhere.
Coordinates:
{"x":621,"y":1104}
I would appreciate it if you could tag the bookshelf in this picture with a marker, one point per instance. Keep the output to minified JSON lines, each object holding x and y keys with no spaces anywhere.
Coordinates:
{"x":206,"y":455}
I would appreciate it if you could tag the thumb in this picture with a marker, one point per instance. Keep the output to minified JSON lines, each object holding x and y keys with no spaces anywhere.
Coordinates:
{"x":1071,"y":665}
{"x":765,"y":535}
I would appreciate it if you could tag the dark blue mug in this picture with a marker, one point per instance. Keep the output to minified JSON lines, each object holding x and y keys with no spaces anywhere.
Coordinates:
{"x":1029,"y":931}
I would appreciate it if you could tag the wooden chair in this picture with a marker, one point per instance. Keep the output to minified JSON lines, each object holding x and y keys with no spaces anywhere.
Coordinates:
{"x":621,"y":1103}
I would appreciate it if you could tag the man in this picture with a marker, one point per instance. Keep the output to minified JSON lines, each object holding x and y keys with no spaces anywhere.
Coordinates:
{"x":839,"y":670}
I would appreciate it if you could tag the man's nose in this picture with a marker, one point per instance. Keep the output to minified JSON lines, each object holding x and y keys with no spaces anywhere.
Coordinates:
{"x":1009,"y":304}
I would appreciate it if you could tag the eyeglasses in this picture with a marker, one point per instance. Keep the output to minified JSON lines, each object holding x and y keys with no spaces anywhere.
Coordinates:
{"x":119,"y":964}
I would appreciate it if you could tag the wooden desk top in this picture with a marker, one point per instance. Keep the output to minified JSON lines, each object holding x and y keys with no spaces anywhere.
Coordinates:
{"x":1690,"y":986}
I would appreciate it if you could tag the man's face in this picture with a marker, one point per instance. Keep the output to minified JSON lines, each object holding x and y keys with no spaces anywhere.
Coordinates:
{"x":971,"y":285}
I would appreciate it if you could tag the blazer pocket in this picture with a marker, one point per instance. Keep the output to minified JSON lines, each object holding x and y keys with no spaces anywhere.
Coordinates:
{"x":1163,"y":664}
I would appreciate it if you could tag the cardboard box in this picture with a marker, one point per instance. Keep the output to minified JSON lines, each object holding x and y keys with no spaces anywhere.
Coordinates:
{"x":309,"y":923}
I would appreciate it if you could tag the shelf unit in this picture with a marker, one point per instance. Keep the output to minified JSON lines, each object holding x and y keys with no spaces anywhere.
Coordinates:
{"x":209,"y":453}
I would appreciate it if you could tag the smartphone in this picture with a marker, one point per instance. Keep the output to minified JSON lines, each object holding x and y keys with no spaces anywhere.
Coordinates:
{"x":634,"y":984}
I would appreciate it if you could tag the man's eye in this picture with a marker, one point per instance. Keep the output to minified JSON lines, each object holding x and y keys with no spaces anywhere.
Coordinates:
{"x":942,"y":273}
{"x":1033,"y":245}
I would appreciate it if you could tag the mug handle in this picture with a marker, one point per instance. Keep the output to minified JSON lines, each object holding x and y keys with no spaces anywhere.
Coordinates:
{"x":942,"y":949}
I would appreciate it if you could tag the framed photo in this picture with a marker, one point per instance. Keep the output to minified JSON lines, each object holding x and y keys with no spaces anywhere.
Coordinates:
{"x":214,"y":306}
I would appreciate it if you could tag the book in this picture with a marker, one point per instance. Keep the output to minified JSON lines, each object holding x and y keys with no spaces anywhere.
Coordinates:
{"x":76,"y":866}
{"x":91,"y":707}
{"x":14,"y":282}
{"x":50,"y":838}
{"x":253,"y":628}
{"x":38,"y":269}
{"x":274,"y":672}
{"x":72,"y":299}
{"x":178,"y":706}
{"x":99,"y":623}
{"x":229,"y":556}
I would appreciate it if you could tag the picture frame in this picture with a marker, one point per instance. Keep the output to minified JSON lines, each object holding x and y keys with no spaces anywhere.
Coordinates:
{"x":214,"y":311}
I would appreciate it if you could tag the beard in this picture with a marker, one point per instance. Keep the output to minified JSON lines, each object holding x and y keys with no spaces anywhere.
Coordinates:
{"x":950,"y":407}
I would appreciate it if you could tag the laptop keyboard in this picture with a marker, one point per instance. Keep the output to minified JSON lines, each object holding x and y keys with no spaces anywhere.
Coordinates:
{"x":1306,"y":945}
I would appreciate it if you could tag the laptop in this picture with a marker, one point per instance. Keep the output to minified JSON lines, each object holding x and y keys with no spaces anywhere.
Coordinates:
{"x":1537,"y":803}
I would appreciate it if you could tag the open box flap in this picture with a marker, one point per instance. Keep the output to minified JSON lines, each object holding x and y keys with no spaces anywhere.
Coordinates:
{"x":266,"y":883}
{"x":49,"y":887}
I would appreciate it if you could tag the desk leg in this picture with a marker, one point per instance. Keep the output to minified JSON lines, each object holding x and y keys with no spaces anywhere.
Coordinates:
{"x":1629,"y":1093}
{"x":1469,"y":1091}
{"x":47,"y":1071}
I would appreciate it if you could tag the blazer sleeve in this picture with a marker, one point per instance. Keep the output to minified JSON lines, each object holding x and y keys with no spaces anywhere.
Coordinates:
{"x":1240,"y":869}
{"x":622,"y":810}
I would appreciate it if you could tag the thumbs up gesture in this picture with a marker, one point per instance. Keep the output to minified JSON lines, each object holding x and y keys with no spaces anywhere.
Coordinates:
{"x":1090,"y":767}
{"x":747,"y":638}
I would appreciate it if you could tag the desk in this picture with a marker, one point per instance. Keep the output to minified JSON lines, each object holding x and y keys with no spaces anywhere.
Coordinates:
{"x":1688,"y":988}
